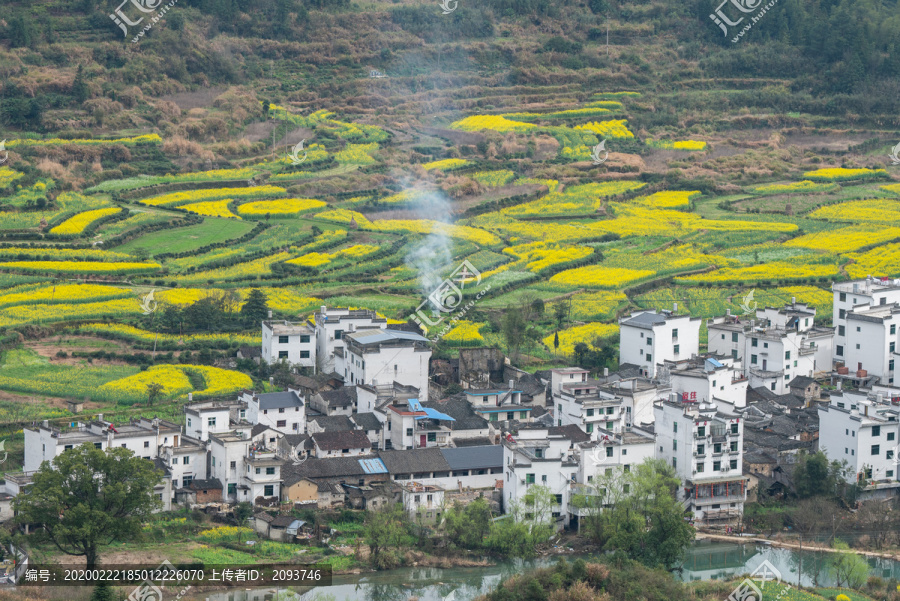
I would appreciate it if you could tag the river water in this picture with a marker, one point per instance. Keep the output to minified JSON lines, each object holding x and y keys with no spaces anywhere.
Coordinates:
{"x":704,"y":560}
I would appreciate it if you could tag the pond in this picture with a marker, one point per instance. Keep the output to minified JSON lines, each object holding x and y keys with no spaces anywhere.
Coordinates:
{"x":704,"y":560}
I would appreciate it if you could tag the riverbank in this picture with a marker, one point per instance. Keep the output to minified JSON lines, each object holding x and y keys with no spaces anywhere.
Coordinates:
{"x":793,"y":546}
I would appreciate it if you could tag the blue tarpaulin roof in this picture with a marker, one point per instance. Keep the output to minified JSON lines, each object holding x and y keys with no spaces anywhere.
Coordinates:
{"x":435,"y":414}
{"x":373,"y":466}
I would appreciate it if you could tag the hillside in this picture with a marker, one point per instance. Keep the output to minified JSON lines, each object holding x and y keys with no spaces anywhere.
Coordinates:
{"x":579,"y":181}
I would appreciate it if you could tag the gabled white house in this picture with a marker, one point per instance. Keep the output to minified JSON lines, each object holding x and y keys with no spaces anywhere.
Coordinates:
{"x":331,"y":325}
{"x":872,"y":291}
{"x":648,"y":338}
{"x":871,"y":341}
{"x":381,"y":357}
{"x":288,"y":341}
{"x":282,"y":411}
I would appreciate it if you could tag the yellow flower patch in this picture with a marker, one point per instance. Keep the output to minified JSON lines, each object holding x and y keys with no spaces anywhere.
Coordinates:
{"x":668,"y":199}
{"x":173,"y":380}
{"x":60,"y":293}
{"x":464,"y":333}
{"x":177,"y":198}
{"x":285,"y":206}
{"x":315,"y":259}
{"x":883,"y":261}
{"x":777,"y":270}
{"x":211,"y":208}
{"x":221,"y":381}
{"x":874,"y":209}
{"x":8,"y":176}
{"x":597,"y":304}
{"x":493,"y":179}
{"x":446,"y":164}
{"x":357,"y":154}
{"x":845,"y":239}
{"x":599,"y":276}
{"x":77,"y":223}
{"x":492,"y":122}
{"x":537,"y":256}
{"x":841,"y":174}
{"x":676,"y":144}
{"x":587,"y":334}
{"x":804,"y":187}
{"x":616,"y":129}
{"x":144,"y":139}
{"x":574,"y":200}
{"x":79,"y":266}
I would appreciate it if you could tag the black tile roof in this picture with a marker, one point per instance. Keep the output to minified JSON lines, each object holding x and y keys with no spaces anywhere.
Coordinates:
{"x":334,"y":423}
{"x":474,"y":457}
{"x":347,"y":439}
{"x":342,"y":397}
{"x":367,"y":421}
{"x":277,"y":400}
{"x":460,"y":410}
{"x":211,"y":484}
{"x":415,"y":461}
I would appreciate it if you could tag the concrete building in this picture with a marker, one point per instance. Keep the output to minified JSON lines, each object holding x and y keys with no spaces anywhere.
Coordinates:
{"x":586,"y":405}
{"x":289,"y":341}
{"x":423,"y":502}
{"x":203,"y":418}
{"x":186,"y":461}
{"x":282,"y":411}
{"x":847,"y":295}
{"x":381,"y":357}
{"x":332,"y":324}
{"x":707,"y":378}
{"x":143,"y":437}
{"x":648,"y":338}
{"x":862,"y":429}
{"x":535,"y":457}
{"x":705,"y":447}
{"x":499,"y":404}
{"x":871,"y":337}
{"x":246,"y":469}
{"x":776,"y":346}
{"x":349,"y":443}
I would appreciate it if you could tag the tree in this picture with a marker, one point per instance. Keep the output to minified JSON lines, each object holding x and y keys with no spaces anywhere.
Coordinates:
{"x":561,"y":312}
{"x":383,"y":530}
{"x":87,"y":498}
{"x":242,"y":513}
{"x":847,"y":567}
{"x":256,"y":308}
{"x":81,"y":93}
{"x":814,"y":475}
{"x":467,"y":526}
{"x":638,"y":513}
{"x":154,"y":392}
{"x":556,"y":340}
{"x":514,"y":326}
{"x":102,"y":592}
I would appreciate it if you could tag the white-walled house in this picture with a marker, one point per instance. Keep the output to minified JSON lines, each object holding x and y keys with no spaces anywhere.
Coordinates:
{"x":847,"y":295}
{"x":774,"y":347}
{"x":186,"y":462}
{"x":143,"y":437}
{"x":863,"y":430}
{"x":381,"y":357}
{"x":871,"y":339}
{"x":648,"y":338}
{"x":203,"y":418}
{"x":535,"y":457}
{"x":346,"y":443}
{"x":331,"y":325}
{"x":423,"y":502}
{"x":282,"y":411}
{"x":705,"y":447}
{"x":247,"y":470}
{"x":707,"y":378}
{"x":587,"y":406}
{"x":289,"y":341}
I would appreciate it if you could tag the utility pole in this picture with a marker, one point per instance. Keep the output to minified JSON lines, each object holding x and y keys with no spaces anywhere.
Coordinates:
{"x":607,"y":39}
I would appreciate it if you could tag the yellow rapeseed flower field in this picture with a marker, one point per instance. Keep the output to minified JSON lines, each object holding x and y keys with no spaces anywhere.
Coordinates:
{"x":537,"y":256}
{"x":143,"y":139}
{"x":776,"y":270}
{"x":676,"y":144}
{"x":465,"y":333}
{"x":492,"y":179}
{"x":845,"y":239}
{"x":446,"y":164}
{"x":804,"y":187}
{"x":176,"y":198}
{"x":79,"y":266}
{"x":883,"y":210}
{"x":668,"y":199}
{"x":586,"y":333}
{"x":842,"y":174}
{"x":68,"y":293}
{"x":173,"y":380}
{"x":881,"y":261}
{"x":285,"y":206}
{"x":77,"y":223}
{"x":616,"y":129}
{"x":599,"y":276}
{"x":492,"y":122}
{"x":8,"y":176}
{"x":119,"y":330}
{"x":220,"y":381}
{"x":210,"y":208}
